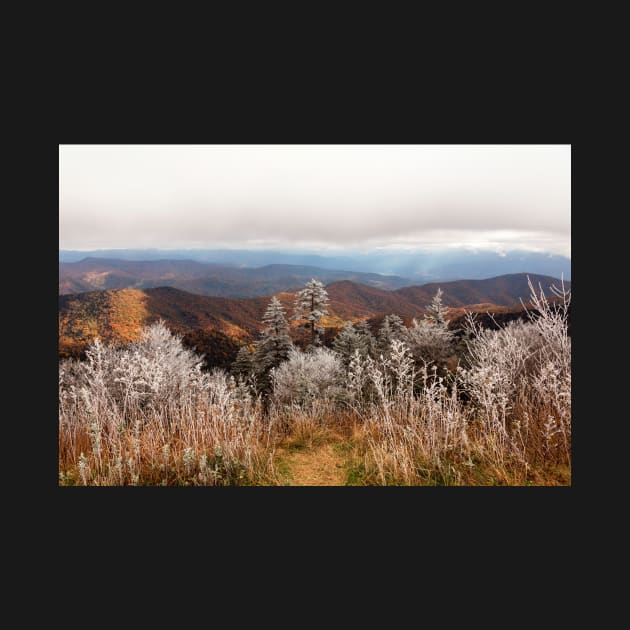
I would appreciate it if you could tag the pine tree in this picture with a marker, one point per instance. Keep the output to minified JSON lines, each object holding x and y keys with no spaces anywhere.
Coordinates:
{"x":243,"y":365}
{"x":310,"y":304}
{"x":367,"y":344}
{"x":354,"y":338}
{"x":436,"y":312}
{"x":430,"y":339}
{"x":274,"y":344}
{"x":430,"y":342}
{"x":346,"y":342}
{"x":392,"y":329}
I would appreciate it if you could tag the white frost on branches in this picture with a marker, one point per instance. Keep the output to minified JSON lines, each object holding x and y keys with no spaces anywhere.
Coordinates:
{"x":392,"y":329}
{"x":306,"y":378}
{"x":350,"y":340}
{"x":310,"y":305}
{"x":436,"y":312}
{"x":274,"y":344}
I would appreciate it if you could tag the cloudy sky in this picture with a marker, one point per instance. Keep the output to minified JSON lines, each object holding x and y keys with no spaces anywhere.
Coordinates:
{"x":331,"y":197}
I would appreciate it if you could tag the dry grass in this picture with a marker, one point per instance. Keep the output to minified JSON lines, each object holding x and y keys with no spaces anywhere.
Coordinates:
{"x":329,"y":449}
{"x":147,"y":415}
{"x":315,"y":466}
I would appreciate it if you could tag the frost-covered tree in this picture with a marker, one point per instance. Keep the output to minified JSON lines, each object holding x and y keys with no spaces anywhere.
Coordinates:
{"x":392,"y":329}
{"x":430,"y":339}
{"x":346,"y":342}
{"x":436,"y":312}
{"x":310,"y":305}
{"x":430,"y":342}
{"x":367,"y":342}
{"x":274,"y":344}
{"x":243,"y":365}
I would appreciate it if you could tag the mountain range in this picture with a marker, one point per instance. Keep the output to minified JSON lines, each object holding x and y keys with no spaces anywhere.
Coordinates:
{"x":213,"y":279}
{"x":419,"y":266}
{"x":118,"y":314}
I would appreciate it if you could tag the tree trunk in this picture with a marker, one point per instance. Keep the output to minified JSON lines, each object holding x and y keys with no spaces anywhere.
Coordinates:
{"x":312,"y":321}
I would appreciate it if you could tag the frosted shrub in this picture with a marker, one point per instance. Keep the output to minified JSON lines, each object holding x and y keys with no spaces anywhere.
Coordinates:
{"x":393,"y":375}
{"x":148,"y":413}
{"x":390,"y":377}
{"x":307,"y":377}
{"x":500,"y":362}
{"x":552,"y":383}
{"x":410,"y":434}
{"x":507,"y":414}
{"x":519,"y":381}
{"x":384,"y":380}
{"x":155,"y":371}
{"x":358,"y":376}
{"x":161,"y":366}
{"x":402,"y":370}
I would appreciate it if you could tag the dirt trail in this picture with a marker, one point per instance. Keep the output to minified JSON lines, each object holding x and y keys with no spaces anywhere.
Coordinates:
{"x":319,"y":466}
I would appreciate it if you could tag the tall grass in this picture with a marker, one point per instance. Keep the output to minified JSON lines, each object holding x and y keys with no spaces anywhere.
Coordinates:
{"x":505,"y":418}
{"x":146,"y":414}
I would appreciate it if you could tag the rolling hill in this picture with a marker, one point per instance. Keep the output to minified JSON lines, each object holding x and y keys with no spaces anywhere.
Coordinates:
{"x":350,"y":300}
{"x":505,"y":290}
{"x":119,"y":314}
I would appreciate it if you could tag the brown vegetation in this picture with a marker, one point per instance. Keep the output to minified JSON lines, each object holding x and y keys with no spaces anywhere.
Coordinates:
{"x":497,"y":412}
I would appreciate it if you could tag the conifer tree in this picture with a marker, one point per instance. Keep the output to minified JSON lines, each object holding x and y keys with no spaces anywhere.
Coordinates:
{"x":310,"y":305}
{"x":274,"y":344}
{"x":346,"y":342}
{"x":436,"y":312}
{"x":430,"y":339}
{"x":392,"y":329}
{"x":243,"y":365}
{"x":367,"y":343}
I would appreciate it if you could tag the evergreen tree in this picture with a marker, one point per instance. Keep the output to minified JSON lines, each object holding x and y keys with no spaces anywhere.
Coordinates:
{"x":346,"y":342}
{"x":436,"y":312}
{"x":430,"y":339}
{"x":310,"y":305}
{"x":274,"y":344}
{"x":430,"y":342}
{"x":392,"y":329}
{"x":243,"y":365}
{"x":367,"y":343}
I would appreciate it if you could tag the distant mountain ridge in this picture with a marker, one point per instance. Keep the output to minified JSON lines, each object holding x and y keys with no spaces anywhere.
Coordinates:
{"x":119,"y":314}
{"x":421,"y":266}
{"x":210,"y":279}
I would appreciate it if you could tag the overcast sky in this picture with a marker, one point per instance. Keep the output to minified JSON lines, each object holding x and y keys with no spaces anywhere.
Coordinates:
{"x":358,"y":197}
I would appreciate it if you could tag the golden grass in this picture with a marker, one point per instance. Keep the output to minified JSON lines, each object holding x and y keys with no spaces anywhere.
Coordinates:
{"x":328,"y":450}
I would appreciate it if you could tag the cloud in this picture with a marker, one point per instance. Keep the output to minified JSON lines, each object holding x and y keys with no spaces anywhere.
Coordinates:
{"x":338,"y":196}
